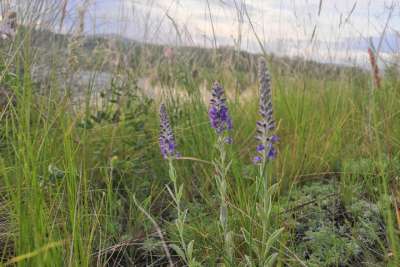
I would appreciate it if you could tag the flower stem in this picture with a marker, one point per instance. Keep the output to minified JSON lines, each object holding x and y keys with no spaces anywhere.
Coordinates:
{"x":176,"y":194}
{"x":221,"y":170}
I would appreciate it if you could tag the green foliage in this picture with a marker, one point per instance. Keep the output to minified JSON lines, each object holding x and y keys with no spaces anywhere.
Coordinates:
{"x":326,"y":232}
{"x":69,"y":173}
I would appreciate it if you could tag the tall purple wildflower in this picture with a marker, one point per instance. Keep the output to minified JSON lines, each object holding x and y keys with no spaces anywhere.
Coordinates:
{"x":166,"y":139}
{"x":218,"y":112}
{"x":266,"y":125}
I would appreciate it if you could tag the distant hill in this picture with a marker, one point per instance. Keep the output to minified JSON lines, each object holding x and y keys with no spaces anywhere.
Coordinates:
{"x":112,"y":53}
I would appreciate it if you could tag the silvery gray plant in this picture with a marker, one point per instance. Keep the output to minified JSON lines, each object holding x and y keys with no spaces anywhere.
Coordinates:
{"x":167,"y":138}
{"x":266,"y":151}
{"x":168,"y":151}
{"x":221,"y":121}
{"x":266,"y":125}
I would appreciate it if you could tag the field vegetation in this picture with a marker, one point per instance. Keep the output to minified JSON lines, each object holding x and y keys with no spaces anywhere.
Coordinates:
{"x":84,"y":183}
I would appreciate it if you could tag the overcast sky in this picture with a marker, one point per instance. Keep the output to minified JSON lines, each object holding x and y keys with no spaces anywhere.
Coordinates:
{"x":327,"y":30}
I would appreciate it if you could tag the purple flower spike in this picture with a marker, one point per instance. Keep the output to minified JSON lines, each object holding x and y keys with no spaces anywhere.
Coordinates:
{"x":266,"y":125}
{"x":218,"y":112}
{"x":166,"y":139}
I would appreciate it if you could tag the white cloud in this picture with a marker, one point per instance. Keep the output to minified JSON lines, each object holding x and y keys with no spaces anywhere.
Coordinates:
{"x":283,"y":25}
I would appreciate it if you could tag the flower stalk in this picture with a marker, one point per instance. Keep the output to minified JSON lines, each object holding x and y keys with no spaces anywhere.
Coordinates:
{"x":168,"y":150}
{"x":221,"y":121}
{"x":266,"y":152}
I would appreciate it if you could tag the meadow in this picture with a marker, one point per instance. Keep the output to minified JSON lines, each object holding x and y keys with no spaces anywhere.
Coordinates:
{"x":84,"y":183}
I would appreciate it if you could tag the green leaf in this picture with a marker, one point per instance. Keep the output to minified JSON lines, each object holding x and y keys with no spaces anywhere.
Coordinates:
{"x":271,"y":239}
{"x":172,"y":194}
{"x":180,"y":193}
{"x":190,"y":249}
{"x":247,"y":238}
{"x":271,"y":260}
{"x":178,"y":251}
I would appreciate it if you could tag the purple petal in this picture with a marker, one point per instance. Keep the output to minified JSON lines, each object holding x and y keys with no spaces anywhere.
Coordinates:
{"x":256,"y":159}
{"x":229,"y":124}
{"x":274,"y":139}
{"x":272,"y":153}
{"x":260,"y":148}
{"x":171,"y":146}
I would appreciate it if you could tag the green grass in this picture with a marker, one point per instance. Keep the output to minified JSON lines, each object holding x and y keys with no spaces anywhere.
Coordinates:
{"x":70,"y":175}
